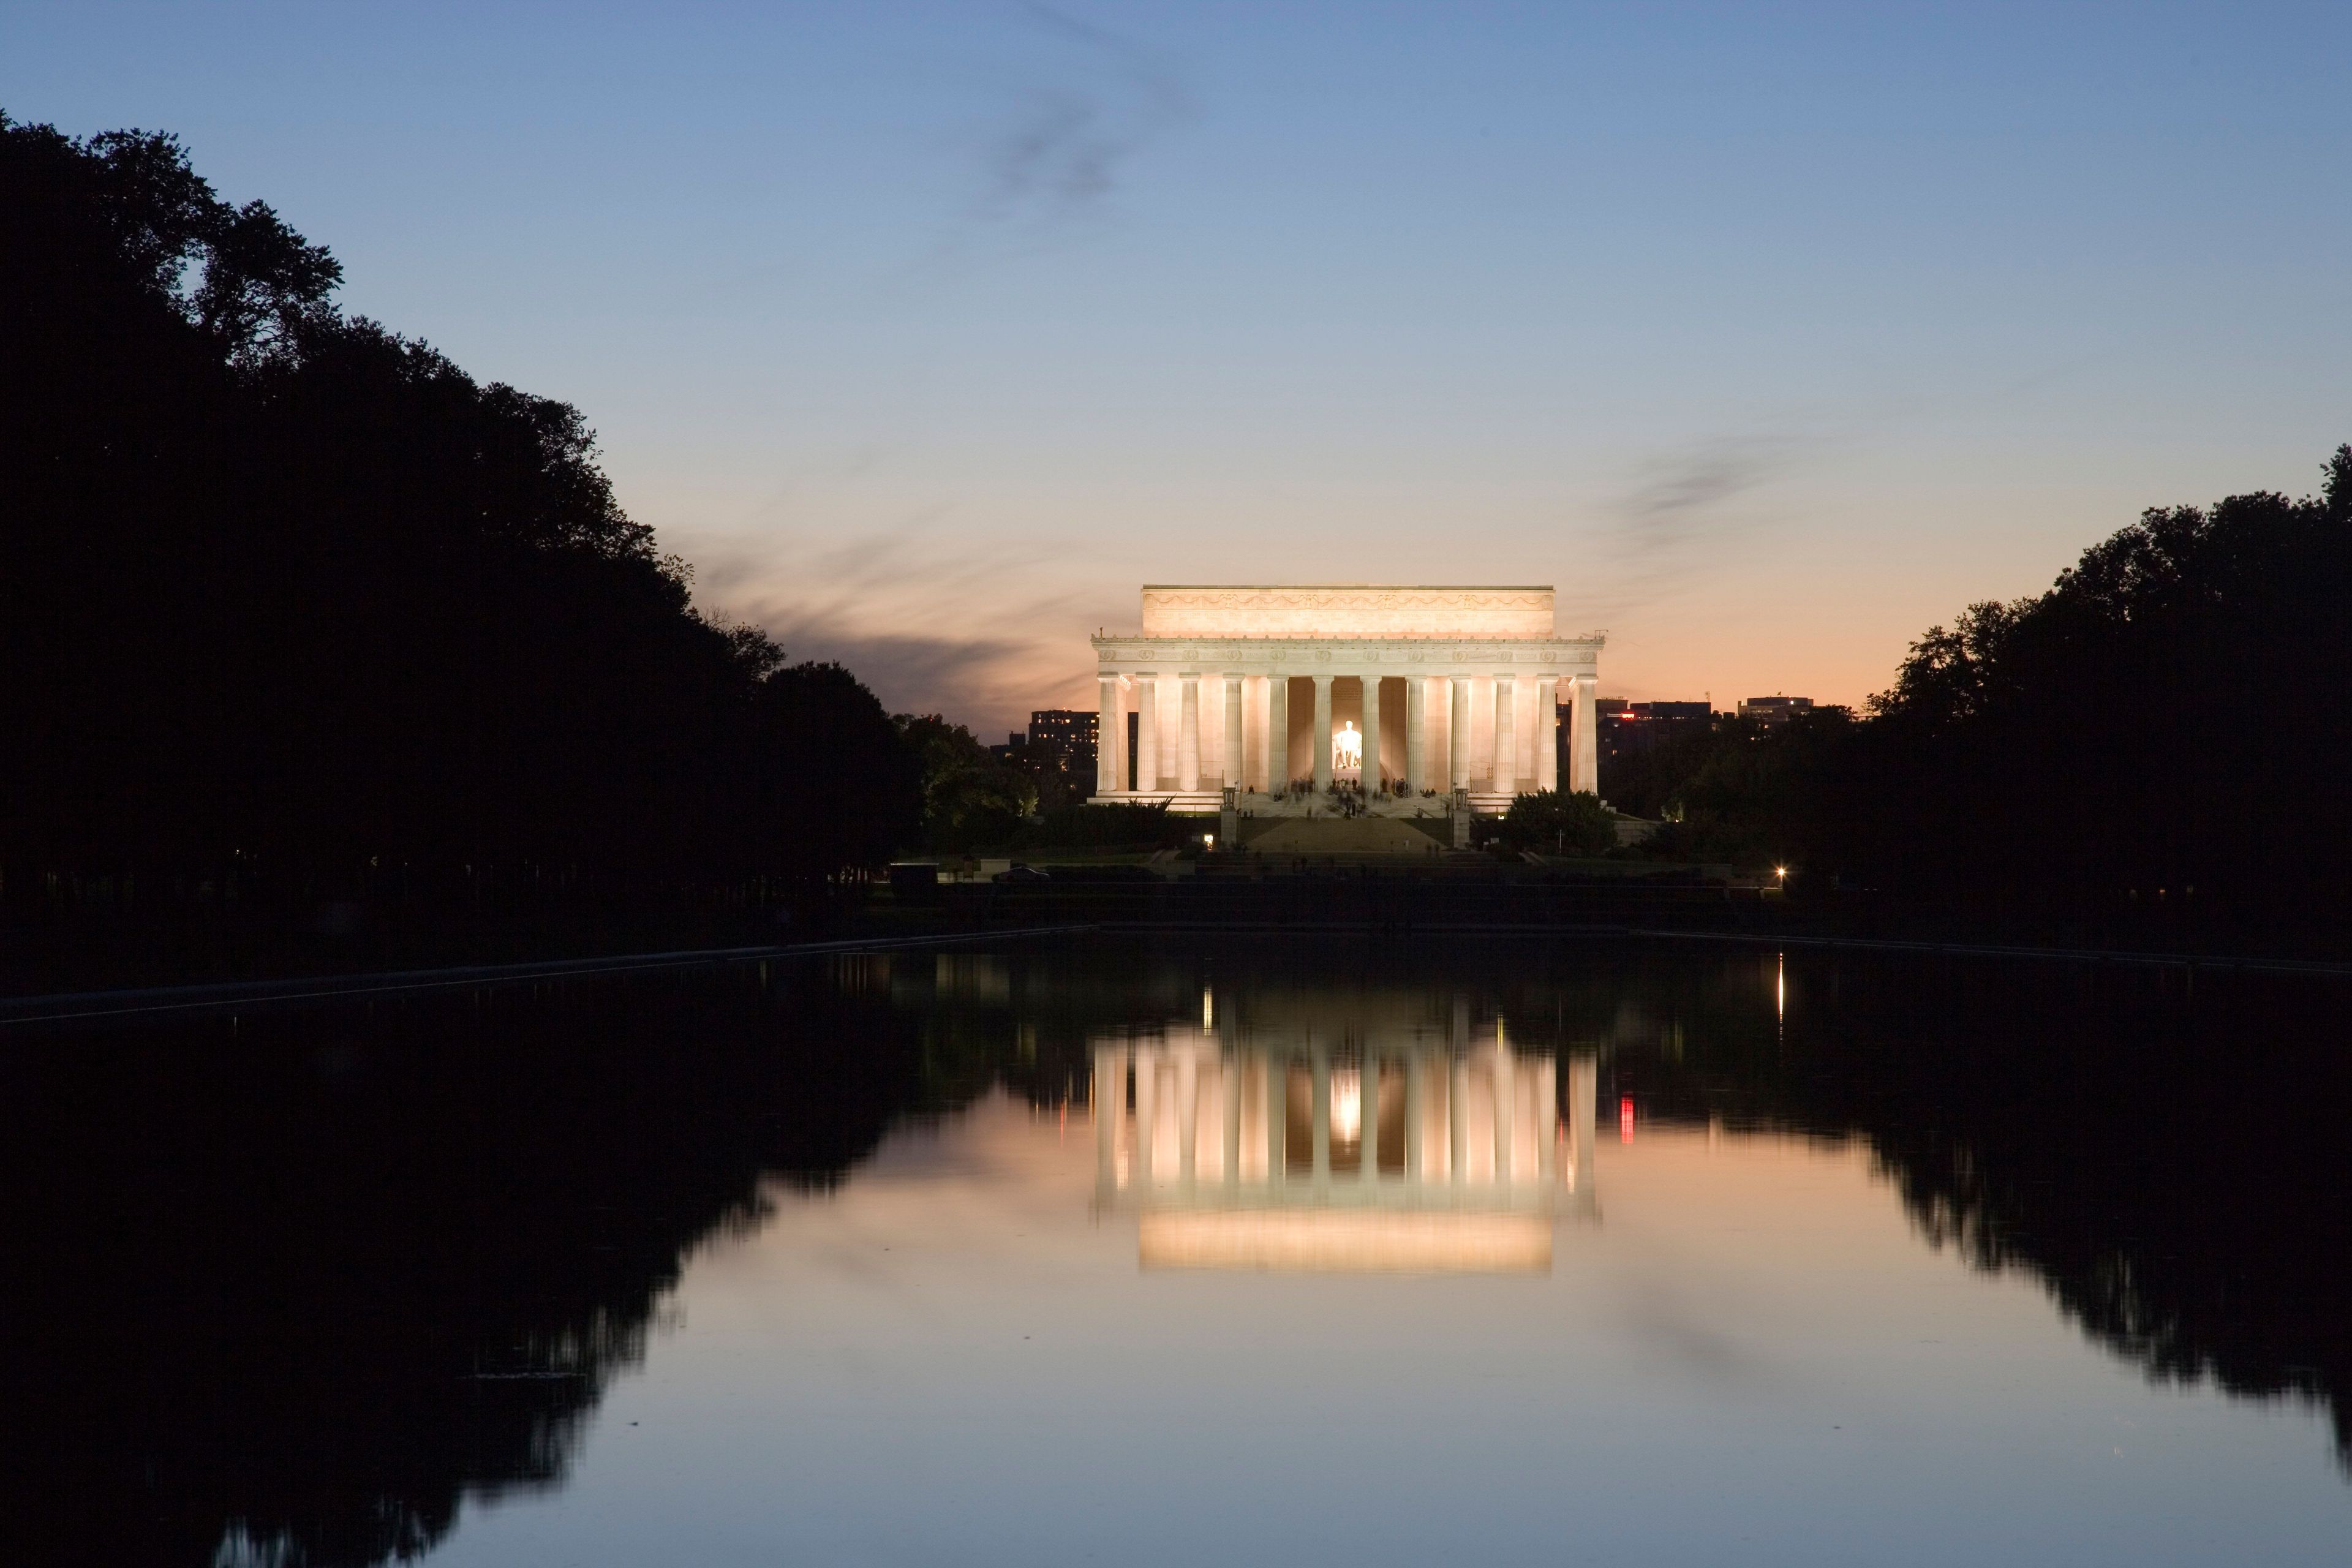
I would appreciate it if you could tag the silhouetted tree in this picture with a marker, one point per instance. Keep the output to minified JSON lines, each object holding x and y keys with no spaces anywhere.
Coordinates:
{"x":971,"y":797}
{"x":1056,"y":781}
{"x":2161,"y":733}
{"x":1557,"y":822}
{"x":291,"y":1291}
{"x":2170,"y":1173}
{"x":294,"y":608}
{"x":856,"y":804}
{"x":1753,"y":794}
{"x":2166,"y":725}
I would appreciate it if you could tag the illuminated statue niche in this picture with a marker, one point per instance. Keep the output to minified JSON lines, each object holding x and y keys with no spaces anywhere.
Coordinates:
{"x":1348,"y":750}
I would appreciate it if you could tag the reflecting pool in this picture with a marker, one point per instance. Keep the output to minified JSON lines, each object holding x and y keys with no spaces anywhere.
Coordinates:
{"x":1108,"y":1253}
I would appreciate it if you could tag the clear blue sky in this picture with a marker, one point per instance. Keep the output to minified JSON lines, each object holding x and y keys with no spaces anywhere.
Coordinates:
{"x":1770,"y":334}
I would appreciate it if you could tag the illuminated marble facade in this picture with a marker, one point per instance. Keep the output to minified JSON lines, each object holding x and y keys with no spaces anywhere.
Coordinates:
{"x":1453,"y":689}
{"x":1380,"y":1150}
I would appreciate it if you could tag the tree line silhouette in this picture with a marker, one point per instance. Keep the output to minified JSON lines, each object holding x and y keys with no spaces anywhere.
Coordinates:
{"x":293,"y":1287}
{"x":298,"y":616}
{"x":2160,"y":1153}
{"x":2162,"y":731}
{"x":296,"y":610}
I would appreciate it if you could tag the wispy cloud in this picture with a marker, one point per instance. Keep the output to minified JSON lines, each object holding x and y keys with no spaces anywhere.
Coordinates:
{"x":1678,"y":491}
{"x":1662,"y":1322}
{"x":1682,"y":506}
{"x":962,"y":676}
{"x":1685,"y":510}
{"x":1058,"y":153}
{"x":931,"y":620}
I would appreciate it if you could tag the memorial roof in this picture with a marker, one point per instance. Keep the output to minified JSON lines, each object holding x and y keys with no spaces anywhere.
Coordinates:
{"x":1346,"y":610}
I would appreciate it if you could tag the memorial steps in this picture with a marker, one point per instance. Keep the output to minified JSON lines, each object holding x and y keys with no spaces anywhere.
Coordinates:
{"x":1254,"y":803}
{"x":1344,"y":835}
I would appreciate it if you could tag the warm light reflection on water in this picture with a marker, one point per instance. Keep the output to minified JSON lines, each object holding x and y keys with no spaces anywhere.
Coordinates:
{"x":1337,"y":1240}
{"x":1324,"y":1210}
{"x":962,"y":1335}
{"x":1389,"y":1140}
{"x":1074,"y":1255}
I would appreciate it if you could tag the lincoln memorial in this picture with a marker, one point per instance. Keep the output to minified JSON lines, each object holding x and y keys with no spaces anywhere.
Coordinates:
{"x":1379,"y":1144}
{"x":1404,"y":692}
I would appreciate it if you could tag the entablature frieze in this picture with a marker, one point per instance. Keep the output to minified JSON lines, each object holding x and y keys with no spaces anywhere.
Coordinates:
{"x":1533,"y":657}
{"x":1346,"y":610}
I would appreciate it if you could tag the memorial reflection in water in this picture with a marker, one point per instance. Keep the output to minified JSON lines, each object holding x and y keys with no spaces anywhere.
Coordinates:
{"x":1401,"y":1145}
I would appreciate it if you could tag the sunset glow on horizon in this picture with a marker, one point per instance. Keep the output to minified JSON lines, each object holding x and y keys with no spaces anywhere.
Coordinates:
{"x":928,"y":334}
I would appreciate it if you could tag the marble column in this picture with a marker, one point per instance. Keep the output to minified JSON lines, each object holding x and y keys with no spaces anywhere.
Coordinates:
{"x":1457,"y":1121}
{"x":1372,"y":773}
{"x":1320,"y":1115}
{"x":1231,"y":777}
{"x":1277,"y":734}
{"x":1416,"y":1107}
{"x":1416,"y":732}
{"x":1147,"y":1116}
{"x":1457,"y":1090}
{"x":1229,"y":1080}
{"x":1110,"y":1105}
{"x":1547,"y":1118}
{"x":1461,"y":731}
{"x":1147,"y":733}
{"x":1187,"y":732}
{"x":1506,"y":1094}
{"x":1110,"y":736}
{"x":1584,"y":742}
{"x":1583,"y":1087}
{"x":1188,"y":1116}
{"x":1278,"y":1118}
{"x":1323,"y":733}
{"x":1546,"y":733}
{"x":1507,"y":751}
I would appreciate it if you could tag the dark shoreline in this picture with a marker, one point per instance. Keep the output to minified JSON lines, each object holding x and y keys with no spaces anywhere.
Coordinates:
{"x":123,"y":1003}
{"x":181,"y":1001}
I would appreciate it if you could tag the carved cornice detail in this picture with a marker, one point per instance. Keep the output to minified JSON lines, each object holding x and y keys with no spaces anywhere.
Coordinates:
{"x":1559,"y":658}
{"x":1345,"y":610}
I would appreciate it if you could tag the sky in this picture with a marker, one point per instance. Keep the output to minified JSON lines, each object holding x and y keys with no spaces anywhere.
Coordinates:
{"x":1772,"y":335}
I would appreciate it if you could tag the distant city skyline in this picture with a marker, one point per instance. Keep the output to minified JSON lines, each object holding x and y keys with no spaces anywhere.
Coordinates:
{"x":924,"y":333}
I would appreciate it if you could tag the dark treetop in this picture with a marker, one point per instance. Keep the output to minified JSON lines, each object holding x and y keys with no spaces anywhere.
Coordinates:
{"x":2163,"y":730}
{"x":295,"y":609}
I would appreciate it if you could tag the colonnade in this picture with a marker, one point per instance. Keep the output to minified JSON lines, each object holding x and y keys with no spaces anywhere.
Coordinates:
{"x":1392,"y":1127}
{"x":1257,"y":747}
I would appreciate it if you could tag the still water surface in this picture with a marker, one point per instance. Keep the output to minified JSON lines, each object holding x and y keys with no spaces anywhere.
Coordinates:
{"x":1109,"y":1254}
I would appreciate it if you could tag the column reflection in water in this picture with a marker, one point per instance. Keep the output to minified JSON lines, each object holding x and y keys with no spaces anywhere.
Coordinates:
{"x":1450,"y":1151}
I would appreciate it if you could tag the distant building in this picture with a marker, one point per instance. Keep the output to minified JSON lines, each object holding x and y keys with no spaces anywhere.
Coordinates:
{"x":1634,"y":728}
{"x":1766,"y":712}
{"x":1628,"y":729}
{"x":1059,"y":753}
{"x":1066,"y":736}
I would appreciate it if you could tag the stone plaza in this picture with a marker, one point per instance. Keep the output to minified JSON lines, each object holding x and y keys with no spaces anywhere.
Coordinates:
{"x":1282,"y":694}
